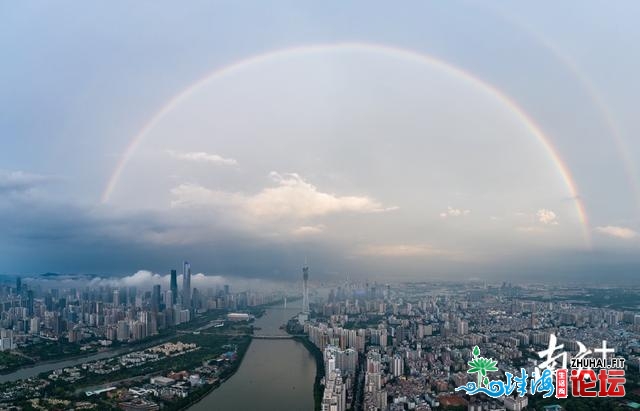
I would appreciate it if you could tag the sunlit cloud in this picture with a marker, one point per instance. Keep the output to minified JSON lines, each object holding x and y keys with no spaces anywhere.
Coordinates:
{"x":203,"y":157}
{"x":547,"y":217}
{"x":292,"y":198}
{"x":307,"y":230}
{"x":402,"y":250}
{"x":454,"y":212}
{"x":617,"y":232}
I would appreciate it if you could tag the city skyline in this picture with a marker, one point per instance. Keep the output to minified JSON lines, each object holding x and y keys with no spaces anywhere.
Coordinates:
{"x":383,"y":345}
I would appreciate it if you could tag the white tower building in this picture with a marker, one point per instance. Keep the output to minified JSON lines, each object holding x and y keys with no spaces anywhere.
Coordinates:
{"x":305,"y":289}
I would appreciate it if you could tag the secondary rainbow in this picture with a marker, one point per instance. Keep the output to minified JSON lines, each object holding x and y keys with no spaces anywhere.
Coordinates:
{"x":619,"y":142}
{"x":394,"y":52}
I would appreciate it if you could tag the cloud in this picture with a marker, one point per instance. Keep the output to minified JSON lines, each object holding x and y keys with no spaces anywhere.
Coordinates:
{"x":189,"y":194}
{"x":530,"y":229}
{"x":146,"y":279}
{"x":539,"y":223}
{"x":308,"y":230}
{"x":292,"y":197}
{"x":617,"y":232}
{"x":202,"y":157}
{"x":20,"y":181}
{"x":142,"y":279}
{"x":401,"y":250}
{"x":547,"y":217}
{"x":454,"y":212}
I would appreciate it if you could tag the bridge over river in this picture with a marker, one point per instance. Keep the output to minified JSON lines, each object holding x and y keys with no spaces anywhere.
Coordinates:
{"x":254,"y":336}
{"x":275,"y":337}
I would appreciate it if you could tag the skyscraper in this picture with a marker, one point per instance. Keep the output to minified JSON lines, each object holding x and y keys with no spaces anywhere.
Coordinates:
{"x":155,"y":298}
{"x":305,"y":289}
{"x":174,"y":287}
{"x":30,"y":302}
{"x":533,"y":318}
{"x":186,"y":285}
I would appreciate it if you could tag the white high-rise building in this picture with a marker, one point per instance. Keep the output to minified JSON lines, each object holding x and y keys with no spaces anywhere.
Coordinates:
{"x":397,"y":366}
{"x":334,"y":396}
{"x":6,"y":340}
{"x":462,"y":327}
{"x":337,"y":359}
{"x":34,"y":326}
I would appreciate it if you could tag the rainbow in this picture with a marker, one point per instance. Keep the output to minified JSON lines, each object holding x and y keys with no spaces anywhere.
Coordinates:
{"x":394,"y":52}
{"x":619,"y":142}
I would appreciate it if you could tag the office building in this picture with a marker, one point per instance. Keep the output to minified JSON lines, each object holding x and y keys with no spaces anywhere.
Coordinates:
{"x":186,"y":285}
{"x":173,"y":287}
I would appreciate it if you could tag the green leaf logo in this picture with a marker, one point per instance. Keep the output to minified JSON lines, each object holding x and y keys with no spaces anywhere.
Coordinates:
{"x":481,"y":366}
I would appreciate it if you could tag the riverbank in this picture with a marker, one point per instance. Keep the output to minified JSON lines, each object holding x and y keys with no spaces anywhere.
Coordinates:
{"x":13,"y":361}
{"x":45,"y":362}
{"x":196,"y":397}
{"x":195,"y":354}
{"x":36,"y":368}
{"x":318,"y":389}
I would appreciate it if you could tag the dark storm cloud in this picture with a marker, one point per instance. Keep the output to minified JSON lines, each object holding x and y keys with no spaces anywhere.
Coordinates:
{"x":40,"y":237}
{"x":42,"y":234}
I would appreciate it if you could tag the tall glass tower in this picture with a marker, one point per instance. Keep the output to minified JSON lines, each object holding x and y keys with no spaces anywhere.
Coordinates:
{"x":186,"y":285}
{"x":174,"y":288}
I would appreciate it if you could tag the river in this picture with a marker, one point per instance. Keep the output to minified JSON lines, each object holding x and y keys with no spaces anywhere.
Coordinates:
{"x":274,"y":375}
{"x":34,"y":371}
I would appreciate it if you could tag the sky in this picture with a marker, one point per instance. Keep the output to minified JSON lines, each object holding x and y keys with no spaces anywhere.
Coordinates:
{"x":435,"y":140}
